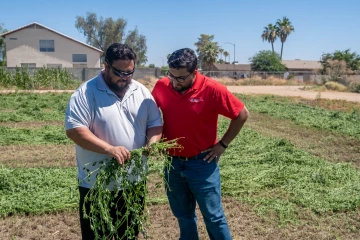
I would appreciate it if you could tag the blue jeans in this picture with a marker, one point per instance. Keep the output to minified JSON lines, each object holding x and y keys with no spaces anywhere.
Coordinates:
{"x":198,"y":181}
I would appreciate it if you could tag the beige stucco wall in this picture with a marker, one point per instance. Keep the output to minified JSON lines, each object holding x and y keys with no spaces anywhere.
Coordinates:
{"x":26,"y":49}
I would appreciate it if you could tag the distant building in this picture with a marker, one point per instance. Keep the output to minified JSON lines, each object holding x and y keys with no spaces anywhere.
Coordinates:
{"x":230,"y":67}
{"x":36,"y":45}
{"x":292,"y":66}
{"x":302,"y":65}
{"x":229,"y":70}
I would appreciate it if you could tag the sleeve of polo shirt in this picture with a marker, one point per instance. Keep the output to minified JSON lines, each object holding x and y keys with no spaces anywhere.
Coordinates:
{"x":77,"y":113}
{"x":154,"y":115}
{"x":228,"y":104}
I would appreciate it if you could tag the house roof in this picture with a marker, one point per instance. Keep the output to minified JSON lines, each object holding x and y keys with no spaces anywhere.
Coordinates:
{"x":302,"y":64}
{"x":38,"y":24}
{"x":232,"y":67}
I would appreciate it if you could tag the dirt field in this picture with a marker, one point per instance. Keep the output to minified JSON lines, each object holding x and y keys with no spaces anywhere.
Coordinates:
{"x":294,"y":91}
{"x":243,"y":221}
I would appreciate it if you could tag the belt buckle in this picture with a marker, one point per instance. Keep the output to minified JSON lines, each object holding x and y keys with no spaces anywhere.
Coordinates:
{"x":184,"y":159}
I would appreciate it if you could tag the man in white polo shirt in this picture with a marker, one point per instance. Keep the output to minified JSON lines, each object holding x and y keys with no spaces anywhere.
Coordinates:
{"x":108,"y":116}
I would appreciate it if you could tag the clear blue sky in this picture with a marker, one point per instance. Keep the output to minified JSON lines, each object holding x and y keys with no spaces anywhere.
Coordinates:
{"x":320,"y":25}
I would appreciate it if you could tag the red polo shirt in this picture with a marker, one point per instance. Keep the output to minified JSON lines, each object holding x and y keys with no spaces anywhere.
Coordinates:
{"x":193,"y":116}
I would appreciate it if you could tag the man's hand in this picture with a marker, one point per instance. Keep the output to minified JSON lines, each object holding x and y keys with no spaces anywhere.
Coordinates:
{"x":214,"y":152}
{"x":120,"y":153}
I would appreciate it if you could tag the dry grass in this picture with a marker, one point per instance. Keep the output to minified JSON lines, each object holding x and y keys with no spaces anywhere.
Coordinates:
{"x":243,"y":223}
{"x":335,"y":86}
{"x":338,"y":105}
{"x":148,"y":81}
{"x":258,"y":81}
{"x":25,"y":156}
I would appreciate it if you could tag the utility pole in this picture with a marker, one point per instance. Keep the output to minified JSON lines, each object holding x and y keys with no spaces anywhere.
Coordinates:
{"x":234,"y":49}
{"x":162,"y":61}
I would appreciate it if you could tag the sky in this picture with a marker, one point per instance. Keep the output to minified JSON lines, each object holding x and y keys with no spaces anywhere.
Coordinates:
{"x":321,"y":26}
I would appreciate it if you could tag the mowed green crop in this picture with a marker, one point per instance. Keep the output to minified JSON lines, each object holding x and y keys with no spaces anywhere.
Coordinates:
{"x":269,"y":173}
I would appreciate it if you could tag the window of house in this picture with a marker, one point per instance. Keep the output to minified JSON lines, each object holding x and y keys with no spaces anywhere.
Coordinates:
{"x":79,"y":65}
{"x":79,"y":58}
{"x":13,"y":38}
{"x":28,"y":65}
{"x":47,"y":45}
{"x":52,"y":65}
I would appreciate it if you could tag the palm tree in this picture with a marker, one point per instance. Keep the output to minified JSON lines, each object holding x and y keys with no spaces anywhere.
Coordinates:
{"x":285,"y":29}
{"x":270,"y":34}
{"x":226,"y":54}
{"x":209,"y":54}
{"x":202,"y":41}
{"x":221,"y":52}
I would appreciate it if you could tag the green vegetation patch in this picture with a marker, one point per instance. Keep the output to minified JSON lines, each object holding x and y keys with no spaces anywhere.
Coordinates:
{"x":47,"y":134}
{"x":37,"y":190}
{"x":337,"y":121}
{"x":19,"y":107}
{"x":276,"y":177}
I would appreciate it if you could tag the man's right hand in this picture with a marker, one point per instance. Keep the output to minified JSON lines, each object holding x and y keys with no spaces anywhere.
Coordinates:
{"x":120,"y":153}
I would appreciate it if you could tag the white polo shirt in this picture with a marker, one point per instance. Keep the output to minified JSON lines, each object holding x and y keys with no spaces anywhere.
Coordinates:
{"x":119,"y":123}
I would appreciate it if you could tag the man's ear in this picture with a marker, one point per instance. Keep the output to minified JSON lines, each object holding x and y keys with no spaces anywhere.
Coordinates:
{"x":106,"y":65}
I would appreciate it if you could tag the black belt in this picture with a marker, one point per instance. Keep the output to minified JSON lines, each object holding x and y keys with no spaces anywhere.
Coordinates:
{"x":183,"y":158}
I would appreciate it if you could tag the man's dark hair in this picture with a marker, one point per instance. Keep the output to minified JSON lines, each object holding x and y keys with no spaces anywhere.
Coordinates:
{"x":183,"y":58}
{"x":119,"y":51}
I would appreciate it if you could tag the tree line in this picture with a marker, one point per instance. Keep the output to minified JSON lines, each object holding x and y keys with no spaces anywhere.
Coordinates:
{"x":101,"y":32}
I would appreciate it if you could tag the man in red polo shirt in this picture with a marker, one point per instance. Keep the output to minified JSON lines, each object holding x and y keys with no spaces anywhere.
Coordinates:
{"x":190,"y":104}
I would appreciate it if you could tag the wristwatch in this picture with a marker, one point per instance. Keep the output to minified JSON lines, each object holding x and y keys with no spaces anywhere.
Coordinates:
{"x":223,"y":144}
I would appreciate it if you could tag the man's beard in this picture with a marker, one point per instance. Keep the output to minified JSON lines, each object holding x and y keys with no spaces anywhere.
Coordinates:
{"x":181,"y":89}
{"x":115,"y":87}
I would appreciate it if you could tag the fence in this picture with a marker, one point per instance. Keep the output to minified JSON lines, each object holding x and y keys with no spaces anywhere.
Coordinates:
{"x":84,"y":74}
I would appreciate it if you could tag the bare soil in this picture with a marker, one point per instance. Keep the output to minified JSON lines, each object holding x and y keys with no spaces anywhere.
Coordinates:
{"x":30,"y":124}
{"x":294,"y":91}
{"x":243,"y":223}
{"x":57,"y":155}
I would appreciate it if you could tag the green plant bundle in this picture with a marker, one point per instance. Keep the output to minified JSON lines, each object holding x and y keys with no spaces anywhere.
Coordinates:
{"x":109,"y":176}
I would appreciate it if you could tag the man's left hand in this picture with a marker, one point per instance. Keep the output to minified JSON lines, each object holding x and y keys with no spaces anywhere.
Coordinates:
{"x":214,"y":152}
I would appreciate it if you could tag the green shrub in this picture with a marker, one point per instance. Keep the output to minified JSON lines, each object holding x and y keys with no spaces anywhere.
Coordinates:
{"x":354,"y":87}
{"x":335,"y":86}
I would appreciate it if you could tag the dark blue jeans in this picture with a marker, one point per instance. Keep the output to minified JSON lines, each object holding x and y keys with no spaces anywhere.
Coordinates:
{"x":198,"y":181}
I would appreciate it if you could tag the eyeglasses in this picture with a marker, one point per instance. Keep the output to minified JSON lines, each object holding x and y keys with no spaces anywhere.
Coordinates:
{"x":179,"y":79}
{"x":120,"y":73}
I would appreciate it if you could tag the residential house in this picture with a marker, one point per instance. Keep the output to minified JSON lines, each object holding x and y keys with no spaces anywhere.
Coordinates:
{"x":295,"y":67}
{"x":298,"y":65}
{"x":228,"y":70}
{"x":36,"y":45}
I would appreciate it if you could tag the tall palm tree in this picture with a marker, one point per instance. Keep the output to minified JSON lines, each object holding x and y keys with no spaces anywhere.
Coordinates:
{"x":270,"y":34}
{"x":209,"y":54}
{"x":226,"y":54}
{"x":285,"y":29}
{"x":221,"y":52}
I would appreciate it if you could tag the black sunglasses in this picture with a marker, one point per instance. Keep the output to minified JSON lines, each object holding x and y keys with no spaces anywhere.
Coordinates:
{"x":179,"y":79}
{"x":120,"y":73}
